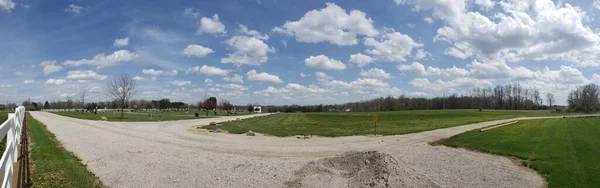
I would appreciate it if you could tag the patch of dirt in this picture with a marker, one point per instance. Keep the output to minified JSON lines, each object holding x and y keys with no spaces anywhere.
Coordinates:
{"x":357,"y":169}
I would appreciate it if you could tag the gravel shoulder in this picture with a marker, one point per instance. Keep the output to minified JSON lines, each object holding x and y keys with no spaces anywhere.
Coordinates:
{"x":167,"y":154}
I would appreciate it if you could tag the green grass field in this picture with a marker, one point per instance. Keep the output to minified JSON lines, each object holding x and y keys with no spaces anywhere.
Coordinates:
{"x":565,"y":151}
{"x":143,"y":116}
{"x":53,"y":165}
{"x":360,"y":123}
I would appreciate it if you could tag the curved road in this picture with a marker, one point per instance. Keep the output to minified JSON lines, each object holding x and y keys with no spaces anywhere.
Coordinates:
{"x":168,"y":154}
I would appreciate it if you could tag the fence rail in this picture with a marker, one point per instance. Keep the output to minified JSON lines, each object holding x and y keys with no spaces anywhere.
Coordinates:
{"x":11,"y":129}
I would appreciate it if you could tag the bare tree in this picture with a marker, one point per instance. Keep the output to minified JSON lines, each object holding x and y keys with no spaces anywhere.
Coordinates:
{"x":120,"y":89}
{"x":585,"y":98}
{"x":550,"y":99}
{"x":82,"y":95}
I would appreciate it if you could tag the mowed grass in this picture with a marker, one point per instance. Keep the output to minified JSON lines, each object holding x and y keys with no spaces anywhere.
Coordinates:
{"x":53,"y":165}
{"x":143,"y":116}
{"x":333,"y":124}
{"x":566,"y":152}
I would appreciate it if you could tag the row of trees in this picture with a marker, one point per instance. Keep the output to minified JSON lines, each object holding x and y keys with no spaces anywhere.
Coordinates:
{"x":509,"y":97}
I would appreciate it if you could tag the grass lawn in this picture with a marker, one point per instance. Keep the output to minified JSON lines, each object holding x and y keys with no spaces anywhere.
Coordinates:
{"x":360,"y":123}
{"x":565,"y":151}
{"x":143,"y":116}
{"x":53,"y":165}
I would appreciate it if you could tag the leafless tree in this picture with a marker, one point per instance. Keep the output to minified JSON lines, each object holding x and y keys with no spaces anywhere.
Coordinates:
{"x":550,"y":99}
{"x":584,"y":98}
{"x":82,"y":95}
{"x":120,"y":89}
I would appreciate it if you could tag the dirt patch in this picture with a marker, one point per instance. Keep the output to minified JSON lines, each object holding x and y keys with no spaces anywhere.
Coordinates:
{"x":357,"y":169}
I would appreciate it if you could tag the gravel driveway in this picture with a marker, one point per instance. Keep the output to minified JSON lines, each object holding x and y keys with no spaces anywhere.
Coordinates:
{"x":167,"y":154}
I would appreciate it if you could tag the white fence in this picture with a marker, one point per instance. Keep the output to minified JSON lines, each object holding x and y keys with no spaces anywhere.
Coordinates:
{"x":11,"y":128}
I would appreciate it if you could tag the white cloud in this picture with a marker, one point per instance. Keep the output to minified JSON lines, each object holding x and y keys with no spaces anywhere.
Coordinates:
{"x":429,"y":20}
{"x":121,"y":42}
{"x":181,"y":83}
{"x":332,"y":24}
{"x":392,"y":47}
{"x":159,"y":72}
{"x":323,"y":62}
{"x":449,"y":86}
{"x":290,"y":90}
{"x":191,"y":12}
{"x":74,"y":9}
{"x":208,"y":70}
{"x":420,"y":69}
{"x":263,"y":76}
{"x":53,"y":81}
{"x":421,"y":54}
{"x":7,"y":5}
{"x":235,"y":78}
{"x":375,"y":73}
{"x":28,"y":81}
{"x":304,"y":75}
{"x":197,"y":90}
{"x":360,"y":60}
{"x":197,"y":50}
{"x":102,"y":61}
{"x":518,"y":30}
{"x":211,"y":25}
{"x":253,"y":33}
{"x":50,"y":67}
{"x":233,"y":87}
{"x":247,"y":51}
{"x":208,"y":81}
{"x":139,"y":78}
{"x":85,"y":75}
{"x":596,"y":4}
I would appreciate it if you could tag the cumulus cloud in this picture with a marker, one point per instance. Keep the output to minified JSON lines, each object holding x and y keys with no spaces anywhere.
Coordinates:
{"x":253,"y":33}
{"x":324,"y":62}
{"x":153,"y":72}
{"x":139,"y":78}
{"x":53,"y":81}
{"x":197,"y":50}
{"x":518,"y":30}
{"x":263,"y":77}
{"x":50,"y":67}
{"x":332,"y":24}
{"x":451,"y":85}
{"x":304,"y":75}
{"x":28,"y":81}
{"x":208,"y":70}
{"x":375,"y":73}
{"x":391,"y":47}
{"x":429,"y":20}
{"x":74,"y":9}
{"x":232,"y":87}
{"x":121,"y":42}
{"x":360,"y":60}
{"x":181,"y":83}
{"x":102,"y":61}
{"x":247,"y":51}
{"x":211,"y":25}
{"x":7,"y":5}
{"x":420,"y":69}
{"x":235,"y":78}
{"x":85,"y":75}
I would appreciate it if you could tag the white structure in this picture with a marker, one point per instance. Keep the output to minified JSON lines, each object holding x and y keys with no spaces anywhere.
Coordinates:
{"x":257,"y":109}
{"x":11,"y":128}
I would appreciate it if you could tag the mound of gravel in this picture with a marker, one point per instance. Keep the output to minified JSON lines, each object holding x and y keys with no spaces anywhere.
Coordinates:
{"x":357,"y":169}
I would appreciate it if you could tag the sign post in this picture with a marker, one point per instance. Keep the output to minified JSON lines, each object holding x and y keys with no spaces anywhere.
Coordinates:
{"x":375,"y":118}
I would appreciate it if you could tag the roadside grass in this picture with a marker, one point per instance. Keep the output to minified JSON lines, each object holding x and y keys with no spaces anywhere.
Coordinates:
{"x":52,"y":164}
{"x":564,"y":151}
{"x":334,"y":124}
{"x":143,"y":116}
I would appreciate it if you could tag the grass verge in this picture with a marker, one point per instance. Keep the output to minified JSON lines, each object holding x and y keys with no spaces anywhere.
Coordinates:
{"x":52,"y":164}
{"x":564,"y":151}
{"x":334,"y":124}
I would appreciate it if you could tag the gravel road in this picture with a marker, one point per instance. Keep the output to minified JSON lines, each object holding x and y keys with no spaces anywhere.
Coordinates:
{"x":168,"y":154}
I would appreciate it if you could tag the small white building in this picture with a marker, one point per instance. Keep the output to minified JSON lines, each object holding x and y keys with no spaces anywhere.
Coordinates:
{"x":257,"y":109}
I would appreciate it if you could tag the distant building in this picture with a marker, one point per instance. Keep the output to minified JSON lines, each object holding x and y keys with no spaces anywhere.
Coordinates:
{"x":257,"y":109}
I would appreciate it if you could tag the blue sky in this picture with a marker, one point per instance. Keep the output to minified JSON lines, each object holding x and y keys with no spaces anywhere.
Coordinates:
{"x":295,"y":52}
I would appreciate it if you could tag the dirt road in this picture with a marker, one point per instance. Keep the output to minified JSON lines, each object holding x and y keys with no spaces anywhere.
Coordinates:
{"x":167,"y":154}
